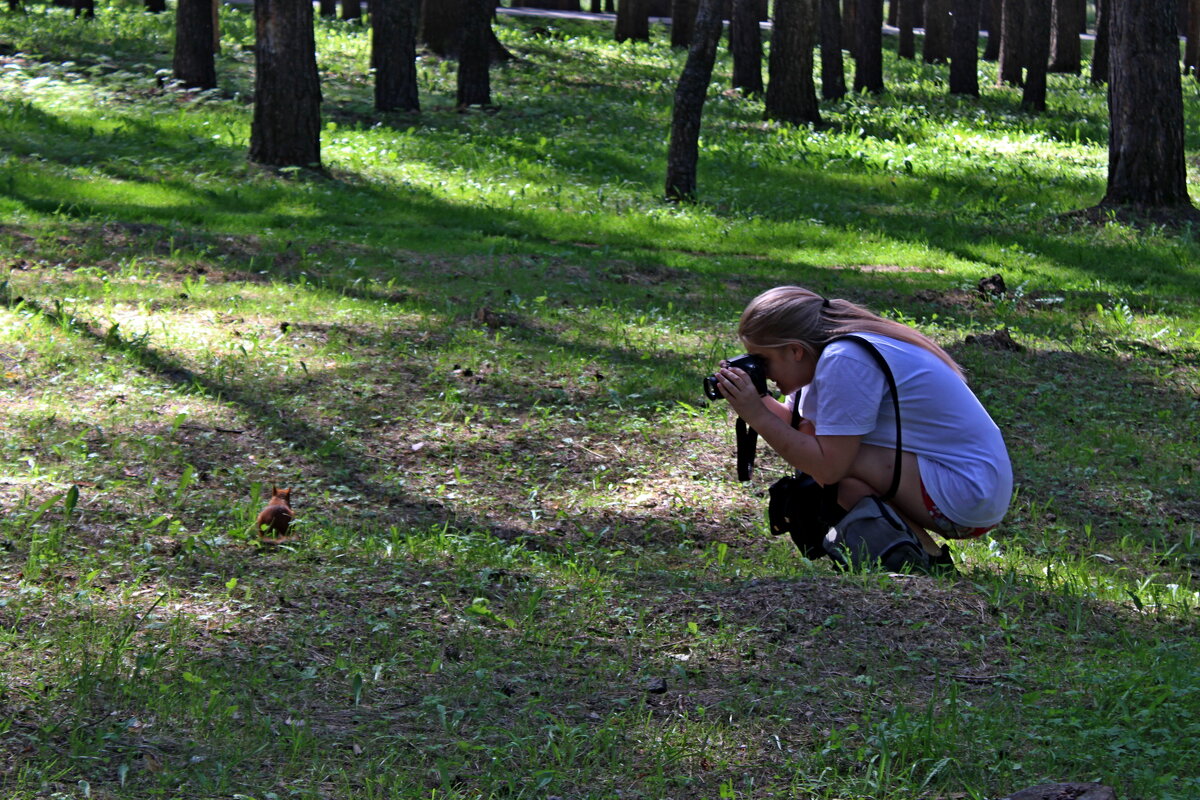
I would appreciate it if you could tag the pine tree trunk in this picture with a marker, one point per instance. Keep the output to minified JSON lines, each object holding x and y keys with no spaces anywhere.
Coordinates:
{"x":474,"y":61}
{"x":1037,"y":42}
{"x":938,"y":27}
{"x":1066,"y":54}
{"x":440,"y":26}
{"x":991,"y":52}
{"x":633,"y":21}
{"x":441,"y":29}
{"x":286,"y":130}
{"x":1100,"y":46}
{"x":327,"y":8}
{"x":791,"y":96}
{"x":394,"y":55}
{"x":868,"y":64}
{"x":351,"y":9}
{"x":849,"y":26}
{"x":745,"y":44}
{"x":833,"y":71}
{"x":964,"y":53}
{"x":1191,"y":52}
{"x":683,"y":150}
{"x":1145,"y":107}
{"x":1012,"y":43}
{"x":193,"y":63}
{"x":906,"y":42}
{"x":683,"y":22}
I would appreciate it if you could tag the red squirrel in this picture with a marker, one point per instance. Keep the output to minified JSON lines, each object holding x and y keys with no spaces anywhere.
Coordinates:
{"x":277,"y":517}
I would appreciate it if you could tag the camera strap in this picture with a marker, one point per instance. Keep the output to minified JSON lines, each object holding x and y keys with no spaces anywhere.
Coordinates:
{"x":747,"y":444}
{"x":747,"y":437}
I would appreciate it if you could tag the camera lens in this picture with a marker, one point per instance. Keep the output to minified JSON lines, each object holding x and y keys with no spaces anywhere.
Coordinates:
{"x":710,"y":388}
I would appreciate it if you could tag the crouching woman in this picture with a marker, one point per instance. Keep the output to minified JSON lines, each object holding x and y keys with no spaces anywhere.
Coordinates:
{"x":955,"y":474}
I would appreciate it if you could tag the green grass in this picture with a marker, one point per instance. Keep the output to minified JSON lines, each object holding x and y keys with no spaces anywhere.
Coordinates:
{"x":473,"y":345}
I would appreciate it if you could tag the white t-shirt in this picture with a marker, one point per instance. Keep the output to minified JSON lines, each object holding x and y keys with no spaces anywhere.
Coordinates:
{"x":964,"y":463}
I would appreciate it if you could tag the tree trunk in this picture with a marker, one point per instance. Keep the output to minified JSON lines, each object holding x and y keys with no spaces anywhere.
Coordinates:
{"x":351,"y":9}
{"x":1145,"y":107}
{"x":394,"y":55}
{"x":152,"y":6}
{"x":1191,"y":52}
{"x":683,"y":150}
{"x":441,"y":29}
{"x":474,"y":75}
{"x":745,"y":44}
{"x":193,"y":63}
{"x":633,"y":21}
{"x":868,"y":63}
{"x":1100,"y":46}
{"x":849,"y":26}
{"x":1037,"y":40}
{"x":441,"y":26}
{"x":1066,"y":54}
{"x":683,"y":22}
{"x":964,"y":55}
{"x":791,"y":96}
{"x":833,"y":71}
{"x":286,"y":130}
{"x":327,"y":8}
{"x":906,"y":42}
{"x":938,"y":28}
{"x":991,"y":52}
{"x":1012,"y":40}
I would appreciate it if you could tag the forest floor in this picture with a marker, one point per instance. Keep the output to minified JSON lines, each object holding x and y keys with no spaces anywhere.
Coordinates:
{"x":473,"y":344}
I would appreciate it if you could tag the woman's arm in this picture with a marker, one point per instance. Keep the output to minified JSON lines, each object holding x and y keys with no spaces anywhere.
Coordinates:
{"x":826,"y":458}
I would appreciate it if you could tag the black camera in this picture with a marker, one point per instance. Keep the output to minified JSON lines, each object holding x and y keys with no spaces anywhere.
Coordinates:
{"x":754,"y":366}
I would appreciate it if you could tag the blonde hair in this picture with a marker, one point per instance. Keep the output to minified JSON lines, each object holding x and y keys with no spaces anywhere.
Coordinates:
{"x":794,"y":315}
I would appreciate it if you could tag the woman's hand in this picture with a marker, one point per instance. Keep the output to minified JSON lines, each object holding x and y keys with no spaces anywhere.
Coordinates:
{"x":739,"y":390}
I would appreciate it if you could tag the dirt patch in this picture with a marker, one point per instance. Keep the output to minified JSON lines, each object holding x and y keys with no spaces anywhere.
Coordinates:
{"x":1139,"y":216}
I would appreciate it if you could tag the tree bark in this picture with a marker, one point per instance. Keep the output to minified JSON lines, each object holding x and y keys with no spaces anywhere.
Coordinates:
{"x":683,"y":22}
{"x":849,"y":26}
{"x":633,"y":21}
{"x":193,"y":63}
{"x":833,"y":71}
{"x":474,"y":61}
{"x":791,"y":96}
{"x":683,"y":152}
{"x":1066,"y":54}
{"x":906,"y":42}
{"x":1145,"y":107}
{"x":868,"y":62}
{"x":328,"y":8}
{"x":1100,"y":46}
{"x":745,"y":44}
{"x":938,"y":28}
{"x":351,"y":9}
{"x":964,"y":54}
{"x":394,"y":55}
{"x":1012,"y":40}
{"x":441,"y":29}
{"x":991,"y":52}
{"x":286,"y":130}
{"x":1037,"y":42}
{"x":1191,"y":52}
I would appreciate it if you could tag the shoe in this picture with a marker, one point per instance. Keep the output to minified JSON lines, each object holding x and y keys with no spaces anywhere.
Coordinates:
{"x":942,"y":563}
